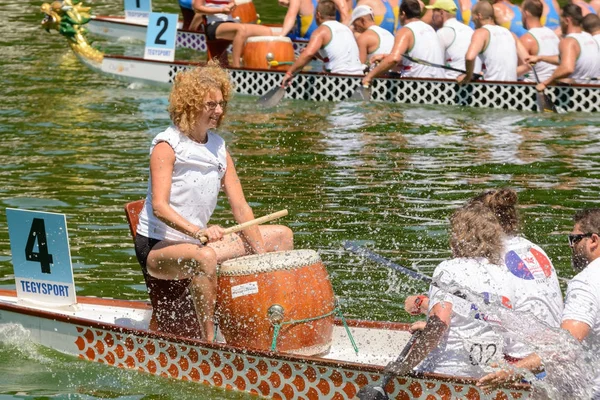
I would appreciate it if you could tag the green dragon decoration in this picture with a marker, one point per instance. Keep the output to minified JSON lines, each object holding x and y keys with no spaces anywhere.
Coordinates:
{"x":68,"y":17}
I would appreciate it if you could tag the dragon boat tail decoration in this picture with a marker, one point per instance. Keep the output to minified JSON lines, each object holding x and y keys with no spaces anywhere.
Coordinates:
{"x":68,"y":18}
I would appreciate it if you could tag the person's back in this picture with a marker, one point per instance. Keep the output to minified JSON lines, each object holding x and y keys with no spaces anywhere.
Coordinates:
{"x":547,"y":46}
{"x":459,"y":38}
{"x":341,"y":51}
{"x":427,"y":47}
{"x":586,"y":8}
{"x":386,"y":41}
{"x":509,"y":16}
{"x":551,"y":14}
{"x":500,"y":55}
{"x":587,"y":64}
{"x":383,"y":14}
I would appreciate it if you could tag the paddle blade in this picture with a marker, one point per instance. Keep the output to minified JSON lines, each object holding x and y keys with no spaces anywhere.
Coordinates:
{"x":272,"y":97}
{"x":372,"y":393}
{"x":361,"y":93}
{"x":544,"y":103}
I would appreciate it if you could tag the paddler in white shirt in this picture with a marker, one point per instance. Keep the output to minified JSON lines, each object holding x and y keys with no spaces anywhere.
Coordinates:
{"x":579,"y":55}
{"x":538,"y":41}
{"x":415,"y":39}
{"x":454,"y":36}
{"x":333,"y":41}
{"x":372,"y":39}
{"x":496,"y":46}
{"x":591,"y":24}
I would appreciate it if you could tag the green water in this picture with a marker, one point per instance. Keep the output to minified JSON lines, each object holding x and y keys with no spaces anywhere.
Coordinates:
{"x":75,"y":142}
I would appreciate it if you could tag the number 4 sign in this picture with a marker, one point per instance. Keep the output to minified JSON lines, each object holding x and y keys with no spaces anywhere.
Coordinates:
{"x":160,"y":37}
{"x":41,"y":257}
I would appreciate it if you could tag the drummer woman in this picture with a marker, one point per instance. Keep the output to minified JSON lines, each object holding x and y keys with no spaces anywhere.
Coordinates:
{"x":458,"y":338}
{"x":189,"y":164}
{"x":221,"y":25}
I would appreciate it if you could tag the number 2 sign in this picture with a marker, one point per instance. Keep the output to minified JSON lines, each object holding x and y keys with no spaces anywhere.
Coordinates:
{"x":160,"y":37}
{"x":41,"y":257}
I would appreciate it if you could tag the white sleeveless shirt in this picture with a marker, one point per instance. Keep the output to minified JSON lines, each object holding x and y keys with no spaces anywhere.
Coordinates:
{"x":547,"y":46}
{"x":455,"y":39}
{"x":500,"y":55}
{"x":587,"y":64}
{"x":427,"y":48}
{"x":195,"y":185}
{"x":386,"y":41}
{"x":597,"y":38}
{"x":342,"y":51}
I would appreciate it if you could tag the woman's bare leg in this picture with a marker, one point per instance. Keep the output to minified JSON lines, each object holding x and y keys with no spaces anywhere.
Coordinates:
{"x":239,"y":33}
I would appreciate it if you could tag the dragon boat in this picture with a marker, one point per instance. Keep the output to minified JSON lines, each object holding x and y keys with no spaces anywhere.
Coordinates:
{"x":70,"y":18}
{"x":274,"y":351}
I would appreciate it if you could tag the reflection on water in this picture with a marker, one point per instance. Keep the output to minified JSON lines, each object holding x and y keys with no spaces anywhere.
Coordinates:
{"x":385,"y":175}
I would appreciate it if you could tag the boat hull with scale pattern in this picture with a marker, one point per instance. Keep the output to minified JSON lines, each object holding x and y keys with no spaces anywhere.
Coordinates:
{"x":115,"y":333}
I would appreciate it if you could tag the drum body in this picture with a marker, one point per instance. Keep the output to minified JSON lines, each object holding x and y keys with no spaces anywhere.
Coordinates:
{"x":245,"y":12}
{"x":258,"y":47}
{"x":297,"y":281}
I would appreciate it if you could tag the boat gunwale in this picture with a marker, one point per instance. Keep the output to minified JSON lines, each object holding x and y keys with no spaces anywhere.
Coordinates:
{"x":318,"y":361}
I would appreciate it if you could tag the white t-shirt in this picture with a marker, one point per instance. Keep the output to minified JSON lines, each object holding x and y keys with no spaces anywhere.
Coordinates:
{"x":455,"y":38}
{"x":582,"y":303}
{"x":470,"y":342}
{"x":195,"y":185}
{"x":386,"y":41}
{"x":500,"y":55}
{"x":427,"y":48}
{"x":547,"y":46}
{"x":342,"y":51}
{"x":537,"y":290}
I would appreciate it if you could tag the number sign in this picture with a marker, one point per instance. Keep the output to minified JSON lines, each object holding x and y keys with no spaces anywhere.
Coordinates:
{"x":160,"y":37}
{"x":138,"y":9}
{"x":41,"y":257}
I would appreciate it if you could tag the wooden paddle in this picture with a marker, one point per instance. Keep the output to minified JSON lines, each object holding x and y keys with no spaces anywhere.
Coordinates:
{"x":257,"y":221}
{"x":544,"y":102}
{"x":430,"y":64}
{"x":371,"y":392}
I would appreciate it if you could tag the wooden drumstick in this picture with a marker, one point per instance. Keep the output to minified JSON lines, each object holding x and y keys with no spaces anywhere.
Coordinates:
{"x":257,"y":221}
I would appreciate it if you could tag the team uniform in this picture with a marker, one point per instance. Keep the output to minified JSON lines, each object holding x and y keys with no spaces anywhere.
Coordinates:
{"x":587,"y":64}
{"x":341,"y":51}
{"x":463,"y":16}
{"x":386,"y":41}
{"x":195,"y":186}
{"x":537,"y":290}
{"x":547,"y":46}
{"x":470,"y":342}
{"x":455,"y":38}
{"x":552,"y":19}
{"x":389,"y":20}
{"x":426,"y":47}
{"x":500,"y":55}
{"x":597,"y":39}
{"x":305,"y":24}
{"x":582,"y":303}
{"x":516,"y":24}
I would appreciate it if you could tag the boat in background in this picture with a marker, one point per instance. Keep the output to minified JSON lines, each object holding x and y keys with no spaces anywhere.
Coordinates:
{"x":325,"y":86}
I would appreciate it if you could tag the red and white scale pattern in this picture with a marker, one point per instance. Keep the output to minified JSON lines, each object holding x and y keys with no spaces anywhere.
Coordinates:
{"x":272,"y":377}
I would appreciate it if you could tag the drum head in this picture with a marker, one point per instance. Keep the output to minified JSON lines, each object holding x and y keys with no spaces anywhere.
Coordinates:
{"x":259,"y":263}
{"x":255,"y":39}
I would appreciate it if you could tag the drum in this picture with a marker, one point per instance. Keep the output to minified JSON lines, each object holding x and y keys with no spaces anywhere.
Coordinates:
{"x":259,"y":50}
{"x":245,"y":12}
{"x":255,"y":291}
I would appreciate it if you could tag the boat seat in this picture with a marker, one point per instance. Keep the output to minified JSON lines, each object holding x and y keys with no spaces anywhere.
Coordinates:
{"x":173,"y":308}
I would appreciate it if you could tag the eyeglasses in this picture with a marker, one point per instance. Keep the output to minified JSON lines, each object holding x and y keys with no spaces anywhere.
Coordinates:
{"x":211,"y":105}
{"x":574,"y":238}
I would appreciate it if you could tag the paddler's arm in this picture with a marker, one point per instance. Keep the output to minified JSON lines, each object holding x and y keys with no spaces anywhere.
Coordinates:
{"x":242,"y":212}
{"x":342,"y":7}
{"x":320,"y":36}
{"x":511,"y":373}
{"x":530,"y":46}
{"x":402,"y":42}
{"x":568,"y":49}
{"x":478,"y":43}
{"x":522,"y":54}
{"x":290,"y":17}
{"x":437,"y":325}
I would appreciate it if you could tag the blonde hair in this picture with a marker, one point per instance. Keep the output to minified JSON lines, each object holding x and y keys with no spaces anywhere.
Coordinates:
{"x":476,"y":232}
{"x":189,"y":92}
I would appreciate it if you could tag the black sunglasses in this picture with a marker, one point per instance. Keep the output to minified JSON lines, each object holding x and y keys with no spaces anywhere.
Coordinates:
{"x":574,"y":238}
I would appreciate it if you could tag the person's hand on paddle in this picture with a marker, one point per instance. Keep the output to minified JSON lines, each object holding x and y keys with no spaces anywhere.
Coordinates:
{"x":417,"y":326}
{"x":287,"y":79}
{"x":497,"y":378}
{"x":213,"y":233}
{"x":532,"y":59}
{"x":462,"y":79}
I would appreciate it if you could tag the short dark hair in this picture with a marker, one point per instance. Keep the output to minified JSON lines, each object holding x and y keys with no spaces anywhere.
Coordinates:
{"x":573,"y":11}
{"x":591,"y":23}
{"x":326,"y":8}
{"x":411,"y":8}
{"x":588,"y":220}
{"x":534,"y":7}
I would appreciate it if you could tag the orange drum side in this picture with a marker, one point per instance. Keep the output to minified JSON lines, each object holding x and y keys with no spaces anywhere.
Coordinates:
{"x":256,"y":50}
{"x":245,"y":12}
{"x":304,"y":293}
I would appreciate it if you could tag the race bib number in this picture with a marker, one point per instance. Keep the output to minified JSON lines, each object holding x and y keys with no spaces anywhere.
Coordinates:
{"x":484,"y":353}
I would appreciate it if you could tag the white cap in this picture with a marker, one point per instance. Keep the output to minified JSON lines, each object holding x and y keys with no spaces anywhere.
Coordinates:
{"x":361,"y":11}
